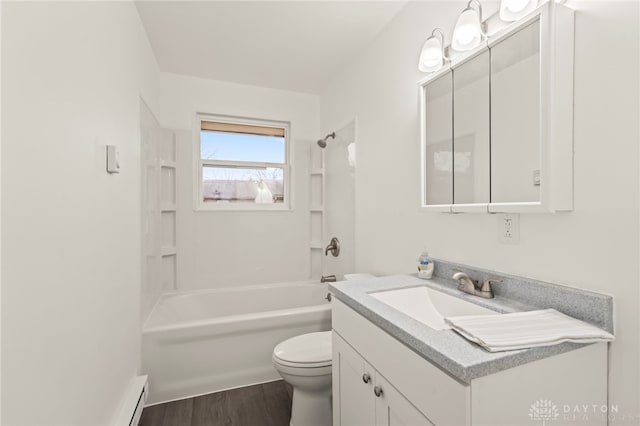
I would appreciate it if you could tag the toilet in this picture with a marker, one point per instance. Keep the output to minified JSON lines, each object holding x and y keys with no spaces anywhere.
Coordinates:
{"x":305,"y":363}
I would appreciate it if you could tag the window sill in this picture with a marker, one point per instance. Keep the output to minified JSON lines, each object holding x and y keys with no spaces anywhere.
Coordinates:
{"x":235,"y":209}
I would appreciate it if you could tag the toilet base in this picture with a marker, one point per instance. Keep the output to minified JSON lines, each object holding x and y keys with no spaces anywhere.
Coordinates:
{"x":311,"y":408}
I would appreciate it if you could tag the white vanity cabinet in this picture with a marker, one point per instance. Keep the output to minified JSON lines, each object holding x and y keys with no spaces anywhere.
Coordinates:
{"x":356,"y":405}
{"x":377,"y":380}
{"x":366,"y":397}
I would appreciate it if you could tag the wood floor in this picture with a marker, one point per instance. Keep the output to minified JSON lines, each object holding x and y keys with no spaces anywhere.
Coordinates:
{"x":268,"y":404}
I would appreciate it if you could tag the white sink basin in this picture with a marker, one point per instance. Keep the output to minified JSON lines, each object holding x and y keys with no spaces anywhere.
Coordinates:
{"x":428,"y":306}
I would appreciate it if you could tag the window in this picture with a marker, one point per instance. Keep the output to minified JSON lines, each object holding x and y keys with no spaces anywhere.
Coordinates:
{"x":243,"y":164}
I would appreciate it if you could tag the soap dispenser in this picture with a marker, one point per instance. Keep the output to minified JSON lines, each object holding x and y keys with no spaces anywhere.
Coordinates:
{"x":425,"y":266}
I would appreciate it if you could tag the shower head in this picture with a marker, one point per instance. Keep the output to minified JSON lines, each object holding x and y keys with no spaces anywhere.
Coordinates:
{"x":323,"y":142}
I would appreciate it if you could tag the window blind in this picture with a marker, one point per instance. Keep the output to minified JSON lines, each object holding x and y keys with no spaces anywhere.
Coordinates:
{"x":212,"y":126}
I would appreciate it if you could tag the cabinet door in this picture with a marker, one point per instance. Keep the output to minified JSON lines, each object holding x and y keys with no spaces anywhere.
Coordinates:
{"x":393,"y":409}
{"x":437,"y":124}
{"x":515,"y":117}
{"x":353,"y":398}
{"x":471,"y":147}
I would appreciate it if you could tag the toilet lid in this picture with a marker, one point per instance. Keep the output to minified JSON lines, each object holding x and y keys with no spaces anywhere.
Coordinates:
{"x":306,"y":350}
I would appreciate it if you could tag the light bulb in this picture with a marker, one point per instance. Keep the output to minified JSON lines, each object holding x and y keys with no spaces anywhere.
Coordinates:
{"x":431,"y":55}
{"x":512,"y":10}
{"x":467,"y":33}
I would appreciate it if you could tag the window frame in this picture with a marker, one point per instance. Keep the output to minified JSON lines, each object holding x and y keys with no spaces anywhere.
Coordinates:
{"x":199,"y":164}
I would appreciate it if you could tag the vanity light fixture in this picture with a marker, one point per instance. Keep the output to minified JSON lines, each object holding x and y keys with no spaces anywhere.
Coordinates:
{"x":432,"y":56}
{"x":512,"y":10}
{"x":468,"y":33}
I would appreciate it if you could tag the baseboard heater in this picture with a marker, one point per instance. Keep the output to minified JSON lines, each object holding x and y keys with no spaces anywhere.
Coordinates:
{"x":134,"y":403}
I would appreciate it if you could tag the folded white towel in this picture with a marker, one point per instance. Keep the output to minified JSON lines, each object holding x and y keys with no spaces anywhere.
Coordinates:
{"x":521,"y":330}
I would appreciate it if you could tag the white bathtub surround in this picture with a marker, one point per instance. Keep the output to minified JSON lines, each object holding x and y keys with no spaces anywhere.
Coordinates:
{"x":207,"y":341}
{"x":199,"y":233}
{"x":305,"y":363}
{"x":158,"y":174}
{"x":339,"y":197}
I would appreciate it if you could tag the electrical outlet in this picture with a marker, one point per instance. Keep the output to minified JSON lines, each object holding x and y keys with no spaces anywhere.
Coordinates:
{"x":509,"y":228}
{"x":536,"y":177}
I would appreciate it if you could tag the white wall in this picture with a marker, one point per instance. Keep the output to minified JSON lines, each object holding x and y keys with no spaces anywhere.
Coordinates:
{"x":594,"y":247}
{"x":72,"y":76}
{"x":221,"y":249}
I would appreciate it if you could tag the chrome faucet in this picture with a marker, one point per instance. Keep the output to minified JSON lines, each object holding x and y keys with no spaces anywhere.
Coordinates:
{"x":470,"y":286}
{"x":328,"y":279}
{"x":466,"y":283}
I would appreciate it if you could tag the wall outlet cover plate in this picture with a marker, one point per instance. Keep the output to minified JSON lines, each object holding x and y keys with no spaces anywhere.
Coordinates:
{"x":509,"y":228}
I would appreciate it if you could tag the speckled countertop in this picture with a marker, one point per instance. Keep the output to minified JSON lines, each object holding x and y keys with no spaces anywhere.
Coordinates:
{"x":444,"y":348}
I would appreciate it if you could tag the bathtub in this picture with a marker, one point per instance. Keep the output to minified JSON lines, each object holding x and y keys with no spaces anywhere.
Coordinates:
{"x":200,"y":342}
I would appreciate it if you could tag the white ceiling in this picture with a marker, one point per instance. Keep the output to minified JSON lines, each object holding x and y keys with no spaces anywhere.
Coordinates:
{"x":290,"y":45}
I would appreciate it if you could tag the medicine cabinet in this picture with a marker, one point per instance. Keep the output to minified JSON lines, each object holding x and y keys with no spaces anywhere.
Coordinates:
{"x":497,"y":121}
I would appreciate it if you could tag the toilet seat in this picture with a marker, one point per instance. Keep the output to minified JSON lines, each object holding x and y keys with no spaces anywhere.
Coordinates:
{"x":290,"y":370}
{"x":312,"y":350}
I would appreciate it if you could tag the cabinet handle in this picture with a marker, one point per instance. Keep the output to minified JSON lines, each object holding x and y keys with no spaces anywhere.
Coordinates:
{"x":366,"y":378}
{"x":377,"y":390}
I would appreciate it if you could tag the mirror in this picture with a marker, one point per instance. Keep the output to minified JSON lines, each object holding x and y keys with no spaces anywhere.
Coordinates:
{"x":497,"y":123}
{"x":515,"y":117}
{"x":471,"y":142}
{"x":437,"y":127}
